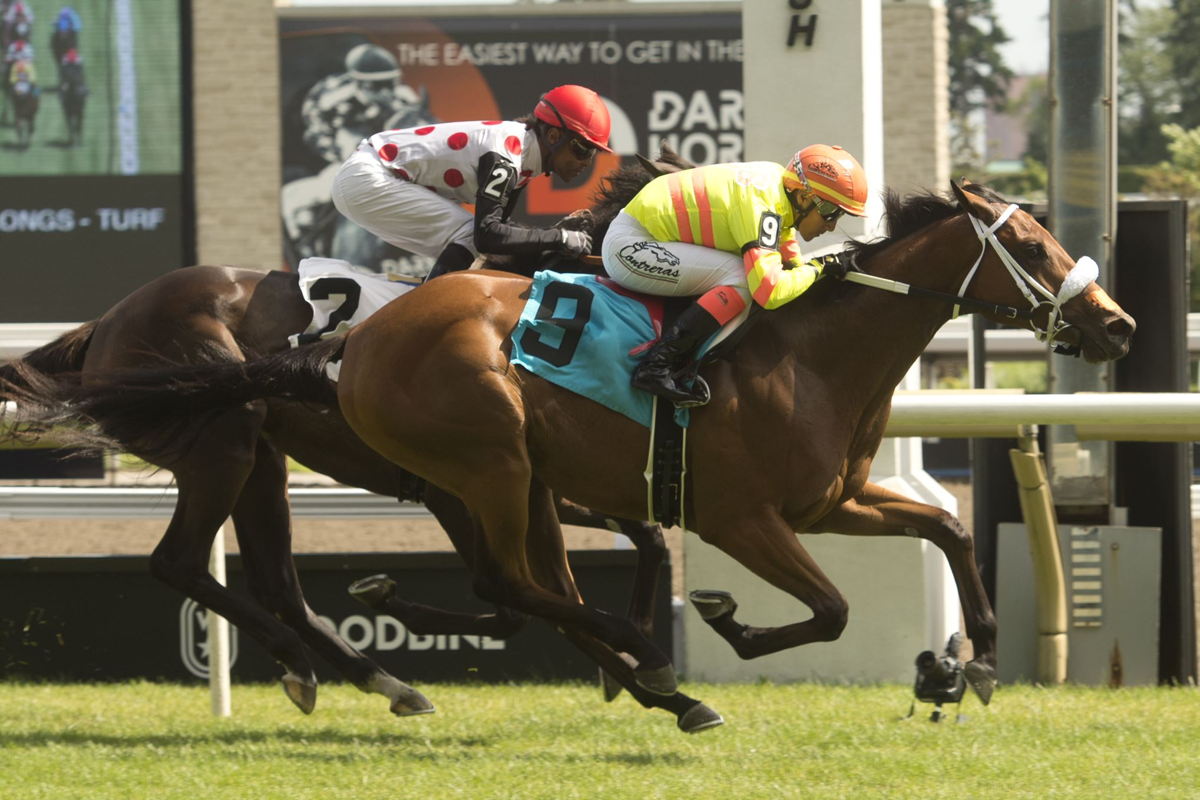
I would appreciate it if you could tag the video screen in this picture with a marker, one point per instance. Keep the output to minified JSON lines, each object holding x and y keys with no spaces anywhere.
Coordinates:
{"x":91,"y":153}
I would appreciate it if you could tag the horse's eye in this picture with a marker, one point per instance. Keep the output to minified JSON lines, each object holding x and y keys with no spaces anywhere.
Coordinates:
{"x":1034,"y":250}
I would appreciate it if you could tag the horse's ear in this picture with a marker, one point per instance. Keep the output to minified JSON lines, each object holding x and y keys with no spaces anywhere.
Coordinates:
{"x":970,"y":202}
{"x":668,"y":161}
{"x":648,"y":165}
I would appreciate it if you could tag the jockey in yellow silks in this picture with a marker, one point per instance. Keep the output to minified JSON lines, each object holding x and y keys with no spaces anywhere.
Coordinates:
{"x":728,"y":233}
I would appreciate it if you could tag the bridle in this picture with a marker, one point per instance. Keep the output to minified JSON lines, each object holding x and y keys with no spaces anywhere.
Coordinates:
{"x":1083,"y":273}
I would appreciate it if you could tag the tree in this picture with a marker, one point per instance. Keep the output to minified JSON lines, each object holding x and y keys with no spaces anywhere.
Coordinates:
{"x":1147,"y":94}
{"x":1181,"y":41}
{"x":978,"y":75}
{"x":1180,"y":177}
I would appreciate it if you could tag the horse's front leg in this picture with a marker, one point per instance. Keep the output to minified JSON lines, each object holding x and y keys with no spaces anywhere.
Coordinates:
{"x":877,"y":511}
{"x":263,"y":527}
{"x":766,"y":545}
{"x":646,"y":537}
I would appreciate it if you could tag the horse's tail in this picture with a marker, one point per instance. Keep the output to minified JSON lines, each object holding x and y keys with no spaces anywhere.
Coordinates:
{"x":63,"y":355}
{"x":160,"y":410}
{"x":34,"y":382}
{"x":32,"y":388}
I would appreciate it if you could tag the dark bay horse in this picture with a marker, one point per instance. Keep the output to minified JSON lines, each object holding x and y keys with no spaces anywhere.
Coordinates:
{"x":236,"y":468}
{"x":784,"y":446}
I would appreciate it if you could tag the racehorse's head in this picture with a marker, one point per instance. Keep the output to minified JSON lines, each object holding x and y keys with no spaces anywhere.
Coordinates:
{"x":1022,"y":265}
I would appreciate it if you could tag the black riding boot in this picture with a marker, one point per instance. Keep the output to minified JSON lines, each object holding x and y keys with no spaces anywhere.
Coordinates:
{"x":672,"y":354}
{"x":453,"y":259}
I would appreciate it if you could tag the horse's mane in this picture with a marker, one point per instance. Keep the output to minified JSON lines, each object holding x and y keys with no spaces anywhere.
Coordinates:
{"x":618,"y":188}
{"x":907,"y":215}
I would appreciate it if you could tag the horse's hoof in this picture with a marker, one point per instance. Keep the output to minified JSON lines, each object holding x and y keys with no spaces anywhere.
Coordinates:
{"x":374,"y":591}
{"x":699,"y":718}
{"x":712,"y":603}
{"x":610,"y":686}
{"x":410,"y":703}
{"x":659,"y":681}
{"x":300,"y":691}
{"x":982,"y":678}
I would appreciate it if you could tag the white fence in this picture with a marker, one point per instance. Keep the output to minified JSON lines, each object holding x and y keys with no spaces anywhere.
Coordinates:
{"x":113,"y":502}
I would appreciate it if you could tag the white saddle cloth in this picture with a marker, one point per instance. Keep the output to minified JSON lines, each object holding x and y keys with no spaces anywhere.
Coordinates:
{"x":351,"y":303}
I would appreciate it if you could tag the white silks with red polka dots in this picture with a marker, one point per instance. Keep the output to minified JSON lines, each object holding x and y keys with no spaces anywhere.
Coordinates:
{"x":406,"y":186}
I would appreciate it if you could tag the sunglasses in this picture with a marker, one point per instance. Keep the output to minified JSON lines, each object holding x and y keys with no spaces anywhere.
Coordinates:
{"x":828,"y":211}
{"x":581,"y":150}
{"x":378,"y":86}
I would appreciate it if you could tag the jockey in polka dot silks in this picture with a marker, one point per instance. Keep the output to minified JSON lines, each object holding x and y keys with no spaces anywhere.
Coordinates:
{"x":407,"y":186}
{"x":730,"y":234}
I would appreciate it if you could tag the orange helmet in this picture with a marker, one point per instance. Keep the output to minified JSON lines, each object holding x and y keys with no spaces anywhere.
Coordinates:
{"x":577,"y":109}
{"x":832,"y":174}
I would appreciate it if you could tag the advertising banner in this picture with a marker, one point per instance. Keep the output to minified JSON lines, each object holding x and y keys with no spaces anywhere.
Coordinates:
{"x":105,"y":618}
{"x":675,"y":79}
{"x":91,"y":166}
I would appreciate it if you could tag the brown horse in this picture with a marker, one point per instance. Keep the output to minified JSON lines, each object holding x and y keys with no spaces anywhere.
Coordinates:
{"x":784,"y":446}
{"x":236,"y":468}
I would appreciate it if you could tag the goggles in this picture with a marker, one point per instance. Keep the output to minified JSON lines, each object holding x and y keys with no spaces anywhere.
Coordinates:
{"x":828,"y":211}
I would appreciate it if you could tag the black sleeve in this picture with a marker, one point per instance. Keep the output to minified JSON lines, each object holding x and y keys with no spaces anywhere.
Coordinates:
{"x":494,"y":202}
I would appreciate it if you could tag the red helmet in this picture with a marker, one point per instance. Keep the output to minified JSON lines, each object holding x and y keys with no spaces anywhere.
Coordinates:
{"x":578,"y":109}
{"x":831,"y":174}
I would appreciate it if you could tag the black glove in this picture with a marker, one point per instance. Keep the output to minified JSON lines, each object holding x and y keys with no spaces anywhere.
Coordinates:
{"x":576,"y":243}
{"x":836,"y":265}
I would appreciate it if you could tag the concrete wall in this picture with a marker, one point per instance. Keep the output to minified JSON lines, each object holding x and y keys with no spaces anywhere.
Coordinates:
{"x":235,"y":100}
{"x":916,"y":95}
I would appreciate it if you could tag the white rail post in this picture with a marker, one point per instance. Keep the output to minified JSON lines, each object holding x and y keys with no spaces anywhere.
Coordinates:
{"x":218,"y":636}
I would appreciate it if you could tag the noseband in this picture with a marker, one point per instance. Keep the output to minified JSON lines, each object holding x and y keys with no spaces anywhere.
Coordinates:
{"x":1084,"y":272}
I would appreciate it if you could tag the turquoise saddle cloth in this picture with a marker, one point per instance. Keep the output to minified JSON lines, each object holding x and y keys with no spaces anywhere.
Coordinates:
{"x":586,"y":334}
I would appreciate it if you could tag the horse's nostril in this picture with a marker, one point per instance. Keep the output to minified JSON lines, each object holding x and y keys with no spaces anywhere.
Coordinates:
{"x":1121,"y":326}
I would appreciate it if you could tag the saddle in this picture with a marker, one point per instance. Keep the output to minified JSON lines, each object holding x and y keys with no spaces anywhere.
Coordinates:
{"x":586,"y":334}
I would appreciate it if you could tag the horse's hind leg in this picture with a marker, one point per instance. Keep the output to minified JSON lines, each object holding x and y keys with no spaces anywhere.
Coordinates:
{"x":210,"y":480}
{"x":264,"y":534}
{"x":877,"y":511}
{"x":647,"y":538}
{"x":379,"y":591}
{"x":548,"y":562}
{"x":506,"y":520}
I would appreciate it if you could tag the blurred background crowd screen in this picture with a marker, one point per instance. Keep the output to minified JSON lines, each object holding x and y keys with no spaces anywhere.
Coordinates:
{"x":92,"y":167}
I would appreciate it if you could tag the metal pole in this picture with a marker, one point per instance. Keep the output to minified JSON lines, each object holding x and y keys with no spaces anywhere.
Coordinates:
{"x":1082,"y":193}
{"x":218,"y":636}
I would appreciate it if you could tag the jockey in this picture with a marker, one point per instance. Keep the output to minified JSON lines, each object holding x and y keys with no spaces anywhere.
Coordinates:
{"x":408,"y":186}
{"x":22,"y":78}
{"x":20,"y":48}
{"x":728,"y":233}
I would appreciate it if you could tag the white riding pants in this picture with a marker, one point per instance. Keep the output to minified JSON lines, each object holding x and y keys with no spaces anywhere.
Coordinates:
{"x":400,"y":212}
{"x":638,"y":261}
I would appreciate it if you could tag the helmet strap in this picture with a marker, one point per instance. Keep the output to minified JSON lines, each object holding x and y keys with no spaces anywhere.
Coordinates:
{"x":802,"y":202}
{"x":552,"y":148}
